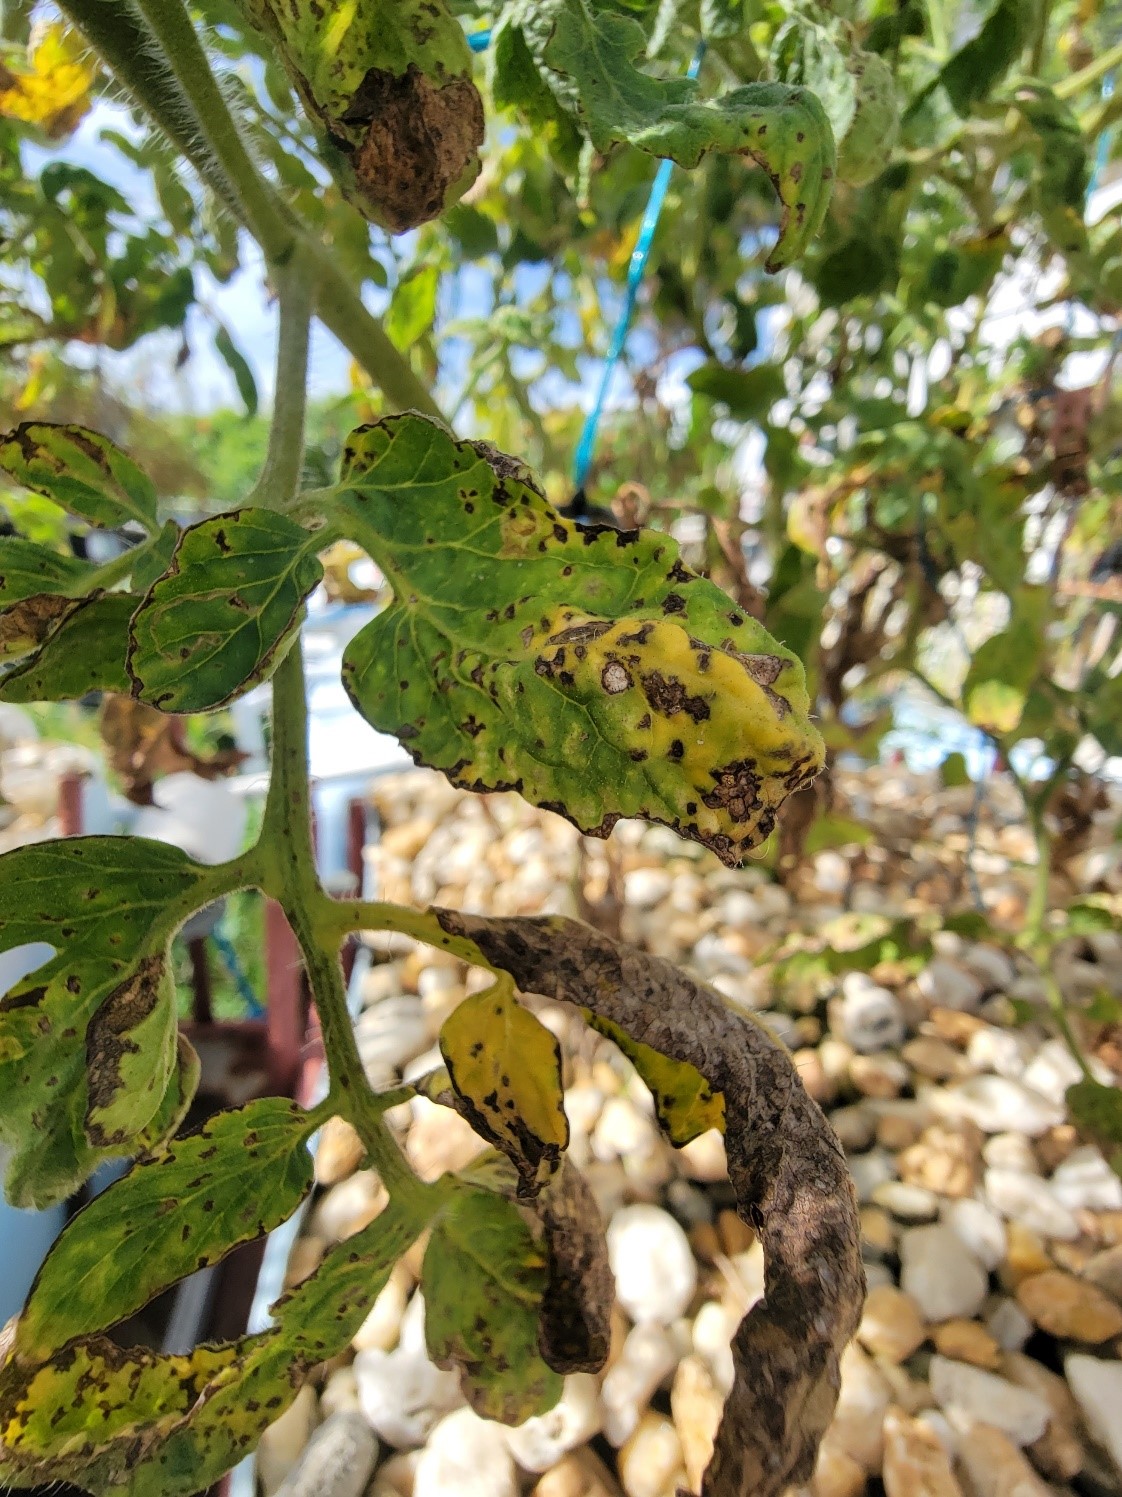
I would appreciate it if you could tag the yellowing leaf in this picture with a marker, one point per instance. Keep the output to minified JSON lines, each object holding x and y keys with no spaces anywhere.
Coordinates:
{"x":483,"y":1278}
{"x":686,"y":1104}
{"x":505,"y":1066}
{"x":53,"y":92}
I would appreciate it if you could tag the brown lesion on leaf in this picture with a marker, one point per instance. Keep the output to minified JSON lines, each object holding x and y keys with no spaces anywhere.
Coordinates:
{"x":614,"y":678}
{"x":108,"y":1042}
{"x":26,"y":624}
{"x":786,"y":1166}
{"x":421,"y":137}
{"x":574,"y":1332}
{"x":736,"y":790}
{"x":668,"y":696}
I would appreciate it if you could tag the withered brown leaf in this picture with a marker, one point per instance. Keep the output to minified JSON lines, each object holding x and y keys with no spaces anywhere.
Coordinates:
{"x":786,"y":1166}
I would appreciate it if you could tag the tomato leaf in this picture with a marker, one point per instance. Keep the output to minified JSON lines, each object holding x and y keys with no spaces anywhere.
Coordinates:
{"x":213,"y":625}
{"x":587,"y":669}
{"x":82,"y":471}
{"x":483,"y":1278}
{"x":505,"y":1067}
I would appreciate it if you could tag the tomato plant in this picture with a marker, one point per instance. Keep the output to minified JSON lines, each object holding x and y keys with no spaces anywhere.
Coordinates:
{"x":892,"y":164}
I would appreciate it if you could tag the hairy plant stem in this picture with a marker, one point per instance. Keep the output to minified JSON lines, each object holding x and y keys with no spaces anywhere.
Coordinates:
{"x":288,"y":873}
{"x":279,"y":482}
{"x":184,"y":100}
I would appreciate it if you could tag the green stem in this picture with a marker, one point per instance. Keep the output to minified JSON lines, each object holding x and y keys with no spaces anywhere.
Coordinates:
{"x":1069,"y":87}
{"x":179,"y":41}
{"x":178,"y":103}
{"x":280,"y":476}
{"x":124,"y":45}
{"x":345,"y":916}
{"x":287,"y":871}
{"x":111,"y":572}
{"x":1037,"y":908}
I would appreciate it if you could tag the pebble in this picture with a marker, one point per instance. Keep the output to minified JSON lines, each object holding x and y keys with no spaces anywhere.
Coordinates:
{"x":941,"y":1274}
{"x":284,"y":1441}
{"x":973,"y":1394}
{"x":882,"y":1075}
{"x":652,"y":1464}
{"x":339,"y":1152}
{"x":995,"y":1467}
{"x":382,"y":1326}
{"x":581,"y":1474}
{"x":908,"y":1203}
{"x":980,"y":1228}
{"x":696,"y":1405}
{"x":391,"y":1033}
{"x":967,"y":1341}
{"x":998,"y":1104}
{"x":403,"y":1394}
{"x":577,"y":1416}
{"x":1085,"y":1182}
{"x":945,"y":1159}
{"x":650,"y":1255}
{"x":703,"y":1158}
{"x":855,"y":1126}
{"x":947,"y":985}
{"x":1070,"y":1308}
{"x":870,"y":1170}
{"x":863,"y":1396}
{"x":1097,"y":1386}
{"x":713,"y":1329}
{"x":338,"y":1460}
{"x":349,"y":1206}
{"x":340,"y":1393}
{"x":1028,"y":1200}
{"x":891,"y":1324}
{"x":1058,"y":1454}
{"x":868,"y":1016}
{"x":836,"y":1473}
{"x":648,"y":1356}
{"x":1105,"y":1270}
{"x":466,"y":1456}
{"x":1010,"y":1151}
{"x":934,"y":1058}
{"x":1009,"y":1325}
{"x":915,"y":1462}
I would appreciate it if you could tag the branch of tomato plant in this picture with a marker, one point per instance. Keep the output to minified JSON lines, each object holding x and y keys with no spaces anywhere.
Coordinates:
{"x":186,"y":103}
{"x":279,"y":481}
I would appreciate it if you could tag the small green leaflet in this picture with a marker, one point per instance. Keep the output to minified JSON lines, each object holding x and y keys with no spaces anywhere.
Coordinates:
{"x":211,"y":627}
{"x":26,"y":568}
{"x":587,"y":669}
{"x":84,"y":652}
{"x":109,"y":1418}
{"x":483,"y":1278}
{"x":241,"y":1174}
{"x":1097,"y":1109}
{"x":87,"y":1041}
{"x":82,"y":471}
{"x":783,"y":129}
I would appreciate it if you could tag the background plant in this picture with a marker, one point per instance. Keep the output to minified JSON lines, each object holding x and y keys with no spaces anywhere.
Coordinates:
{"x":519,"y":646}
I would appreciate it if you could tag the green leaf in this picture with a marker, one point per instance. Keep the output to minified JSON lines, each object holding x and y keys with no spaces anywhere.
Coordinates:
{"x":152,"y":560}
{"x":26,"y":624}
{"x":232,"y":356}
{"x":111,"y":1419}
{"x":505,"y":1067}
{"x":975,"y":68}
{"x":241,"y":1174}
{"x":412,"y":307}
{"x":483,"y":1278}
{"x":784,"y":130}
{"x":1097,"y":1109}
{"x":28,"y":569}
{"x":587,"y":669}
{"x":87,"y":1041}
{"x":809,"y":55}
{"x":748,"y":393}
{"x":82,"y":471}
{"x":685,"y":1103}
{"x":83,"y":653}
{"x":1004,"y":668}
{"x":213,"y":625}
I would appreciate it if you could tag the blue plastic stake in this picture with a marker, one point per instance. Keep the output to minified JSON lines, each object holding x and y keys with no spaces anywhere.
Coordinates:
{"x":582,"y":462}
{"x":479,"y":41}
